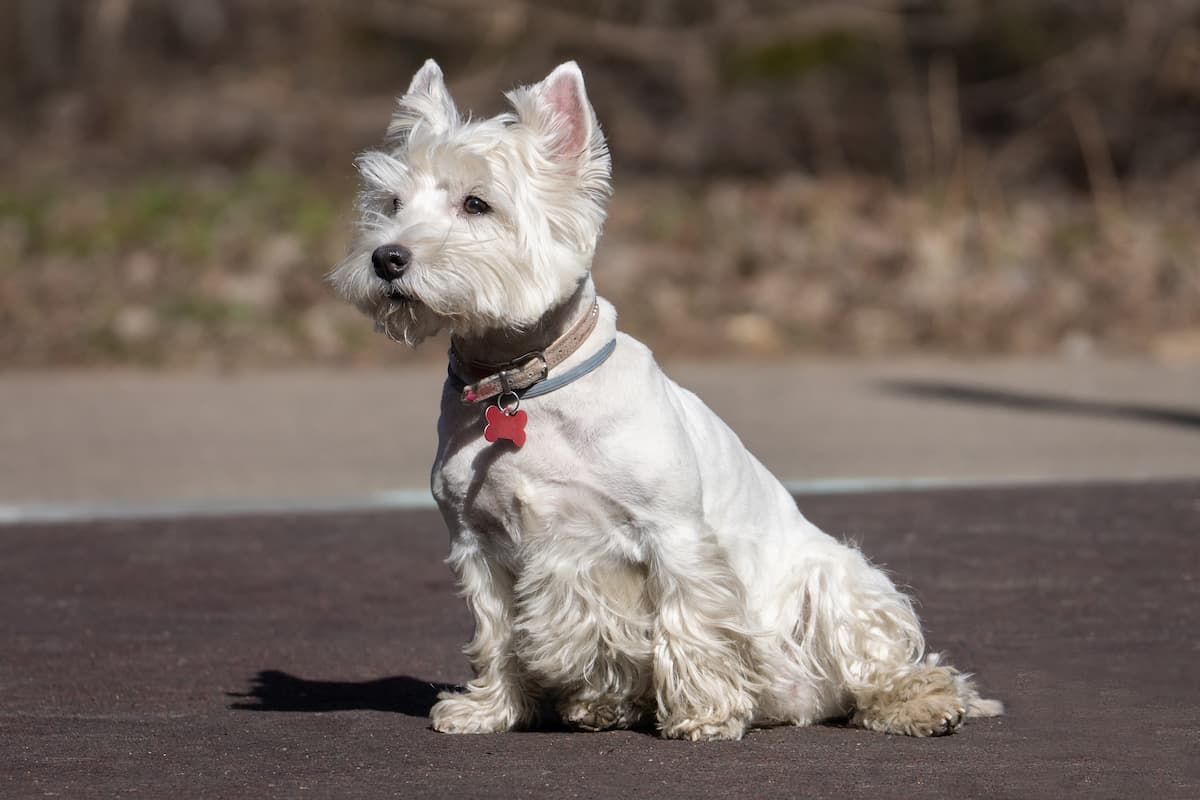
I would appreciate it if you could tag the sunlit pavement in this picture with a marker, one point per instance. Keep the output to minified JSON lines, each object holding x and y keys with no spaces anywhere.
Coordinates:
{"x":89,"y":442}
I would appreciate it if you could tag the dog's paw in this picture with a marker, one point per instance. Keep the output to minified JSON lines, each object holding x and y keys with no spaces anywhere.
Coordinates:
{"x":927,"y":702}
{"x":925,"y":718}
{"x":600,"y":714}
{"x":935,"y":719}
{"x":463,"y":713}
{"x":704,"y":730}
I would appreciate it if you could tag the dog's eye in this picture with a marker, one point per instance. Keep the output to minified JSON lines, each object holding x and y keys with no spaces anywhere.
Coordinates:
{"x":396,"y":205}
{"x":473,"y":205}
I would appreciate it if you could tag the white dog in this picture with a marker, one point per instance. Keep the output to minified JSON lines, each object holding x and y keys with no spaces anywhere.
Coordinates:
{"x":622,"y":553}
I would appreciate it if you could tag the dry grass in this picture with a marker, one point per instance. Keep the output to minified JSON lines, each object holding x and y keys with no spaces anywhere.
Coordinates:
{"x":228,"y":273}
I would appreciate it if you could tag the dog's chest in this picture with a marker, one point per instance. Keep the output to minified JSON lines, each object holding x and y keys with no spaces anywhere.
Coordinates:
{"x":478,"y":483}
{"x":465,"y":468}
{"x":562,"y":470}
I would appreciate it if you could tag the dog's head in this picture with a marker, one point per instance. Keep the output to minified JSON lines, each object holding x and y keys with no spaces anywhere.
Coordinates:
{"x":477,"y":225}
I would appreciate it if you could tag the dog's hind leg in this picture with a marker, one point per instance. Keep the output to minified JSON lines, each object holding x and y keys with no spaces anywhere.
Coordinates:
{"x":497,"y":699}
{"x":867,"y":632}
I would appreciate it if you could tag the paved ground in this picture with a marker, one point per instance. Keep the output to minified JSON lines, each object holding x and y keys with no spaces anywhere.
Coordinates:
{"x":100,"y":438}
{"x":297,"y":656}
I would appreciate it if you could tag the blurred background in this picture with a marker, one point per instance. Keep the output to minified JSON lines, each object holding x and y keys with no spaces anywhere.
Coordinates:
{"x":843,"y":178}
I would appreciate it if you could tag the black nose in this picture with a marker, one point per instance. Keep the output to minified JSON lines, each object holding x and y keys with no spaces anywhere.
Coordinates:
{"x":390,"y":260}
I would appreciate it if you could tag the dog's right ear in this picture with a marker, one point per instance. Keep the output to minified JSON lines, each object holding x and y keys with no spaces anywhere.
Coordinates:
{"x":427,"y":103}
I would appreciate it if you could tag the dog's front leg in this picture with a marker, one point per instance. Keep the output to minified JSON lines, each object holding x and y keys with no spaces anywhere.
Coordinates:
{"x":496,"y":700}
{"x":705,"y":666}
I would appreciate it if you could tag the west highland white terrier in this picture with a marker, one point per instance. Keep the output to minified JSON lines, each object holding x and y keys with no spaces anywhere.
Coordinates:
{"x":624,"y":556}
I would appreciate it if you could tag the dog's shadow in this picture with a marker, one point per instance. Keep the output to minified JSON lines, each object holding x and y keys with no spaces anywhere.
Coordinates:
{"x":272,"y":690}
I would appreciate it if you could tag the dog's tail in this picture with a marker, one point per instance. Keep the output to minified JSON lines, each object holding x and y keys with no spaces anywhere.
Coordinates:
{"x":977,"y":706}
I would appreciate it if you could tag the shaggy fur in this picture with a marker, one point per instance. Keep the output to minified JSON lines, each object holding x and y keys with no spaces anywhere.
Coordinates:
{"x":632,"y":563}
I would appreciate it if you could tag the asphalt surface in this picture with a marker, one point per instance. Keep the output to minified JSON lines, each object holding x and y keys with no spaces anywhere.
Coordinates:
{"x":298,"y":656}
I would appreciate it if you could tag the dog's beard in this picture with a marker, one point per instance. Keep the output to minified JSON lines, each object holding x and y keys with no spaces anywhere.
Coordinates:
{"x":405,"y":319}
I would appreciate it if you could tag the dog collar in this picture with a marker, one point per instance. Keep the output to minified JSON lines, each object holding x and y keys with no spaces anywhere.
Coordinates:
{"x":527,"y":376}
{"x":549,"y":384}
{"x":505,"y":420}
{"x":520,"y":374}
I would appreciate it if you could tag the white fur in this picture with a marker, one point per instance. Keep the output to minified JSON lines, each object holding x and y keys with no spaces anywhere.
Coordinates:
{"x":633,"y":561}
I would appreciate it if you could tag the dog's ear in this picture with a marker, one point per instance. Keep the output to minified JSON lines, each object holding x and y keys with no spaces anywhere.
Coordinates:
{"x":559,"y":111}
{"x":427,"y":102}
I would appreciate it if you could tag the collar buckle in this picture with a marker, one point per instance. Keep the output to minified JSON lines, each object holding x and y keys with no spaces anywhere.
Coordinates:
{"x":521,"y":363}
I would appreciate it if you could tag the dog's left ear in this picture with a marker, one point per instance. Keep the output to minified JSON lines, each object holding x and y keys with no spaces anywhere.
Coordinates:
{"x":559,"y":111}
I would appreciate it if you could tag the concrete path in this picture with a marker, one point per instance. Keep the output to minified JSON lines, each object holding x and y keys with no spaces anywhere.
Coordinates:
{"x":276,"y":656}
{"x":108,"y":440}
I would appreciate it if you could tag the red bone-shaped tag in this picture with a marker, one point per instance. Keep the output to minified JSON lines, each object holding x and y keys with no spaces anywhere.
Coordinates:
{"x":505,"y":426}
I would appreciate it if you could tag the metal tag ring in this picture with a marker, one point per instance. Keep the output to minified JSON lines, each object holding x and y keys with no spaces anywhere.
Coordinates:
{"x":516,"y":402}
